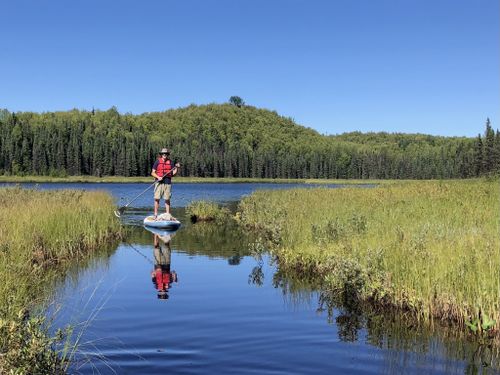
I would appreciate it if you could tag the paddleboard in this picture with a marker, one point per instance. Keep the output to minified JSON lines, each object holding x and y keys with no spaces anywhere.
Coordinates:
{"x":161,"y":223}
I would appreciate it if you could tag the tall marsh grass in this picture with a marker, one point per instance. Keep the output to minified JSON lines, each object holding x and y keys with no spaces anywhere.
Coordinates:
{"x":207,"y":211}
{"x":41,"y":232}
{"x":429,"y":247}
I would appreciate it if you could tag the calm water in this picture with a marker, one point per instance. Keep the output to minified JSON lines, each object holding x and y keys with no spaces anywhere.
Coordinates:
{"x":229,"y":312}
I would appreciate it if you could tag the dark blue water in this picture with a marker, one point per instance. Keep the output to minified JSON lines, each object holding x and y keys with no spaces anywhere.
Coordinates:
{"x":229,"y":312}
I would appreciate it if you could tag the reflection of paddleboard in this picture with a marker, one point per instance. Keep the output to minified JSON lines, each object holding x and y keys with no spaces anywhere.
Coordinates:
{"x":161,"y":223}
{"x":161,"y":232}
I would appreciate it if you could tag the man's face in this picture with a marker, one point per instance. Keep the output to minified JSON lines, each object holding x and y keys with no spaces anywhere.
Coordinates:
{"x":165,"y":156}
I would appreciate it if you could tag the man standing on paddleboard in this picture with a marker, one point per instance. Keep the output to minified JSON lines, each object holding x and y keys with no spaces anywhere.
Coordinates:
{"x":163,"y":171}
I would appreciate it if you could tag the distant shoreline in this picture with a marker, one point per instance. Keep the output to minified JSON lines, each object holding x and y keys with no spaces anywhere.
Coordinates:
{"x":183,"y":180}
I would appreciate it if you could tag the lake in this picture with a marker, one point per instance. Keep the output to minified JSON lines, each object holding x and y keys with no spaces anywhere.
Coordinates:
{"x":227,"y":311}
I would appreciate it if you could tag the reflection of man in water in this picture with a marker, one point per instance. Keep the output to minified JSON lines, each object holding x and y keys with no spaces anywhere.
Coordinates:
{"x":161,"y":276}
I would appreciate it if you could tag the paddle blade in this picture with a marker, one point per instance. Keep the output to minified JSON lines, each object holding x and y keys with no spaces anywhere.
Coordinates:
{"x":119,"y":211}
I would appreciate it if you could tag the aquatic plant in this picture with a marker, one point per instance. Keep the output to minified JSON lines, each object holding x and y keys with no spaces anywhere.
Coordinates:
{"x":206,"y":211}
{"x":41,"y":234}
{"x":481,"y":324}
{"x":429,"y":247}
{"x":30,"y":347}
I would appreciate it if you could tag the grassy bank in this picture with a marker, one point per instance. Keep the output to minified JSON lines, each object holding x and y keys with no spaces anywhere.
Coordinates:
{"x":180,"y":180}
{"x":432,"y":248}
{"x":41,"y":233}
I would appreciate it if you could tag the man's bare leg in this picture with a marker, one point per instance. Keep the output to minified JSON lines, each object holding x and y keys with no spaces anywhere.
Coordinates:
{"x":157,"y":205}
{"x":167,"y":209}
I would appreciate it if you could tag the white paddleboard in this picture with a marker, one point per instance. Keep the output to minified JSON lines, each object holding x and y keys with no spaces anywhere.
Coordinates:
{"x":161,"y":222}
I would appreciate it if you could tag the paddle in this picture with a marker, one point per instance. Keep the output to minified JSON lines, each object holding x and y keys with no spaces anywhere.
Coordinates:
{"x":122,"y":209}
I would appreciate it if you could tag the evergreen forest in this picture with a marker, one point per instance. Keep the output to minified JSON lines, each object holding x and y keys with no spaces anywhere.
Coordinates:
{"x":230,"y":140}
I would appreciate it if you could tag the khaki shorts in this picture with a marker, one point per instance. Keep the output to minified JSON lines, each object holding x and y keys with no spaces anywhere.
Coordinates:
{"x":163,"y":191}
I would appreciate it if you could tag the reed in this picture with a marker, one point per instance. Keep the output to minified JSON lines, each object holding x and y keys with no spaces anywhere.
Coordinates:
{"x":431,"y":247}
{"x":41,"y":233}
{"x":207,"y":211}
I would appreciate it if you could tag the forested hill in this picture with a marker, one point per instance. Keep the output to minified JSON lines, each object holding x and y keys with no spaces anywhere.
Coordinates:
{"x":224,"y":140}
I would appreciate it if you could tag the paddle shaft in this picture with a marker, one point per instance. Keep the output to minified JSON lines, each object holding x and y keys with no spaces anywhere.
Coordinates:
{"x":149,"y":187}
{"x":122,"y":208}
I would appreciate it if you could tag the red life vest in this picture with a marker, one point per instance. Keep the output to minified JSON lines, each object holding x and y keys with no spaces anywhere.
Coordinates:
{"x":162,"y":280}
{"x":164,"y":168}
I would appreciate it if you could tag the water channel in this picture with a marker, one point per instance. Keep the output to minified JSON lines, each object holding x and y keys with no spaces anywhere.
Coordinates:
{"x":212,"y":307}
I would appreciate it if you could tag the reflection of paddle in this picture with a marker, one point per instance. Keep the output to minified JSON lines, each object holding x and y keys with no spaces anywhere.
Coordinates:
{"x":120,"y":210}
{"x":140,"y":253}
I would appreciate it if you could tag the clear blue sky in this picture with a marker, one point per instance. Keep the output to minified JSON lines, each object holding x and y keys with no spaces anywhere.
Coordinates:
{"x":370,"y":65}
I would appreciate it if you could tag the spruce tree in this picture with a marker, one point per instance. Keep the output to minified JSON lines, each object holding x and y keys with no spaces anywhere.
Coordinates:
{"x":489,"y":148}
{"x":478,"y":156}
{"x":497,"y":152}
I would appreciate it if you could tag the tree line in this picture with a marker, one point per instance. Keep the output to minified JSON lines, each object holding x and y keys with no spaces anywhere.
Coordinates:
{"x":228,"y":140}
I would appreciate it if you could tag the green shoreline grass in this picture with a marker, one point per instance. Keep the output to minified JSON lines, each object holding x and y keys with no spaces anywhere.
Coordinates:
{"x":42,"y":233}
{"x":432,"y":248}
{"x":207,"y":211}
{"x":182,"y":180}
